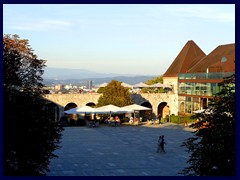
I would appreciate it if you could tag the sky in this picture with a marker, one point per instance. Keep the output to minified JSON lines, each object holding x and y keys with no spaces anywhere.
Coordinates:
{"x":141,"y":39}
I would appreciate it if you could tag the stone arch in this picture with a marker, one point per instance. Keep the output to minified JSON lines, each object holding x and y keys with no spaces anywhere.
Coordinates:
{"x":70,"y":106}
{"x":160,"y":109}
{"x":146,"y":114}
{"x":52,"y":111}
{"x":71,"y":116}
{"x":91,"y":104}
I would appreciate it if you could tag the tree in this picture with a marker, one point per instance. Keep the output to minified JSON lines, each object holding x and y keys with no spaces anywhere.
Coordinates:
{"x":212,"y":148}
{"x":152,"y":81}
{"x":155,"y":80}
{"x":29,"y":137}
{"x":114,"y":93}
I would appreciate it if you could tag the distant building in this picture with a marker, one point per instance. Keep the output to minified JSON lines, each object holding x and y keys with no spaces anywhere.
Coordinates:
{"x":89,"y":84}
{"x":196,"y":76}
{"x":59,"y":87}
{"x":68,"y":86}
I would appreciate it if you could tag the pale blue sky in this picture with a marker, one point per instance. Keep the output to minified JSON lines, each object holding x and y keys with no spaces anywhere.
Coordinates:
{"x":123,"y":38}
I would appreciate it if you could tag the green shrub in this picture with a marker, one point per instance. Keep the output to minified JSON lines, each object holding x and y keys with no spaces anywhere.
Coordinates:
{"x":180,"y":119}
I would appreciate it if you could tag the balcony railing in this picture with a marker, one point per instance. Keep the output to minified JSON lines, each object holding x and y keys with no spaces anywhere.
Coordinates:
{"x":219,"y":75}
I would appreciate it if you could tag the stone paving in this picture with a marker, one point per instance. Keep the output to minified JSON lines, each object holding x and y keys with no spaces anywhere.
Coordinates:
{"x":120,"y":151}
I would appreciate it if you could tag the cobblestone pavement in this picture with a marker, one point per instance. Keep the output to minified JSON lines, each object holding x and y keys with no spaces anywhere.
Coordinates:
{"x":120,"y":151}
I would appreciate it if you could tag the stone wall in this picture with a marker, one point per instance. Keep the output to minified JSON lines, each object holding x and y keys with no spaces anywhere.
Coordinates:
{"x":82,"y":99}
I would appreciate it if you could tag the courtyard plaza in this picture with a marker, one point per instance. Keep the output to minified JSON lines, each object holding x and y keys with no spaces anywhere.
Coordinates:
{"x":120,"y":151}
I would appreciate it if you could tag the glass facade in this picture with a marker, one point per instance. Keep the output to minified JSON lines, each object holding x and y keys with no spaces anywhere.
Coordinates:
{"x":189,"y":104}
{"x":201,"y":89}
{"x":196,"y":95}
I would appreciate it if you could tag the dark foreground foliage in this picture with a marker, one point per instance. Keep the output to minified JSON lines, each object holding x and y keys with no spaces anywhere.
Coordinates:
{"x":30,"y":137}
{"x":212,"y":149}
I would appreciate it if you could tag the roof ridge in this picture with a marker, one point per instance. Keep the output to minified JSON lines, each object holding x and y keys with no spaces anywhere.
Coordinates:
{"x":185,"y":55}
{"x":185,"y":59}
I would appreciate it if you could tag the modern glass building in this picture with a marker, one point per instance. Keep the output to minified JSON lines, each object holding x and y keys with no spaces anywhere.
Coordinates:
{"x":197,"y":77}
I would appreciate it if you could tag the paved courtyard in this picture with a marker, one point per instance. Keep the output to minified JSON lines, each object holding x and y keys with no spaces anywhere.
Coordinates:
{"x":120,"y":151}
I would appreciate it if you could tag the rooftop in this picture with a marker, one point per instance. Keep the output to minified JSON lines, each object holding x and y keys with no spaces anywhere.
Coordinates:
{"x":188,"y":56}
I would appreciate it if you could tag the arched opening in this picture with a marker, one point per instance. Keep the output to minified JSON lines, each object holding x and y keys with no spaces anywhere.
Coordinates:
{"x":70,"y":106}
{"x":146,"y":114}
{"x":72,"y":118}
{"x":182,"y":107}
{"x":52,"y":111}
{"x":90,"y":116}
{"x":91,"y":104}
{"x":160,"y":109}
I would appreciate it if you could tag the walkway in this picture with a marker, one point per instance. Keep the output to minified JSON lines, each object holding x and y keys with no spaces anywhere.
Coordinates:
{"x":120,"y":151}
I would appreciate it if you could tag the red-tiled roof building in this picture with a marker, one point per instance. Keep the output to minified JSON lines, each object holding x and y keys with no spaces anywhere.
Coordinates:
{"x":195,"y":76}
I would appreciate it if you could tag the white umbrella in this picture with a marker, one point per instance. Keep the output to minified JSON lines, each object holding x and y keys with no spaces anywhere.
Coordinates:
{"x":111,"y":109}
{"x":102,"y":85}
{"x":136,"y":107}
{"x":82,"y":110}
{"x":141,"y":84}
{"x":126,"y":85}
{"x":157,"y":85}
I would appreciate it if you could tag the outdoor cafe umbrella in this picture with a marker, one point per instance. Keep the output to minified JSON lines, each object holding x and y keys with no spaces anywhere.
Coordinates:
{"x":126,"y":85}
{"x":157,"y":85}
{"x":102,"y":85}
{"x":112,"y":109}
{"x":136,"y":107}
{"x":82,"y":110}
{"x":140,"y":85}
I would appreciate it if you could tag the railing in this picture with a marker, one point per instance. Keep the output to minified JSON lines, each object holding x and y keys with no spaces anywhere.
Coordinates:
{"x":219,"y":75}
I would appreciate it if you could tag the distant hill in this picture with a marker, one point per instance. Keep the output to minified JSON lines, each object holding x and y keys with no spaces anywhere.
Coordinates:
{"x":64,"y":73}
{"x":81,"y":76}
{"x":96,"y":81}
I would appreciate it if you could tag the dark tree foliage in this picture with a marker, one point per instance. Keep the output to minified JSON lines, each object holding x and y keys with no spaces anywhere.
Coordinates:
{"x":29,"y":136}
{"x":212,"y":149}
{"x":155,"y":80}
{"x":114,"y":93}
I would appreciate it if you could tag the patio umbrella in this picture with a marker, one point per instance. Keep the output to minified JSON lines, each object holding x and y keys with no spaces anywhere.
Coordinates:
{"x":112,"y":109}
{"x":157,"y":85}
{"x":102,"y":85}
{"x":126,"y":85}
{"x":136,"y":107}
{"x":141,"y":85}
{"x":82,"y":110}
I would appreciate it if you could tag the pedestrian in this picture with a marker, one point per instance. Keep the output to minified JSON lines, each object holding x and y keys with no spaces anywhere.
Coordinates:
{"x":162,"y":143}
{"x":158,"y":144}
{"x":185,"y":123}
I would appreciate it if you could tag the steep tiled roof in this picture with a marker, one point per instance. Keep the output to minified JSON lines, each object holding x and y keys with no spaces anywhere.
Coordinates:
{"x":221,"y":59}
{"x":188,"y":56}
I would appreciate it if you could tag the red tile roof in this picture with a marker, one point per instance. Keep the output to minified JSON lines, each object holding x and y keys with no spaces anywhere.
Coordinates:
{"x":221,"y":59}
{"x":187,"y":58}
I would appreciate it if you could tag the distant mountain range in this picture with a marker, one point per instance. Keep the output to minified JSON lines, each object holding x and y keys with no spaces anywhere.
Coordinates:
{"x":81,"y":76}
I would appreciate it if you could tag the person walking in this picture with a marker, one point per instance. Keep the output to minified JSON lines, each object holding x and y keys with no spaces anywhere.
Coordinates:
{"x":162,"y":143}
{"x":158,"y":144}
{"x":185,"y":123}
